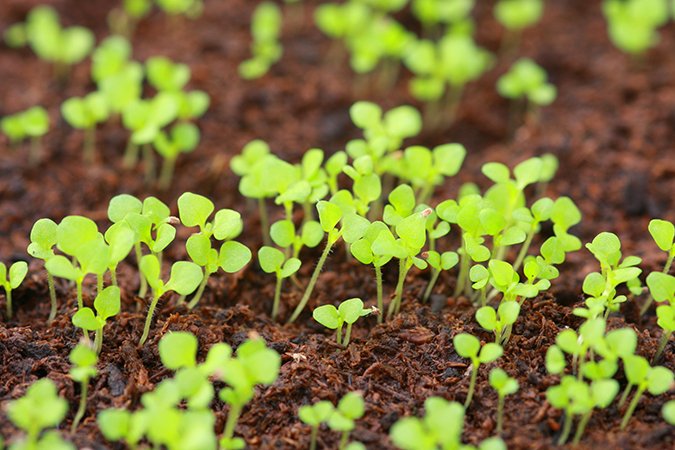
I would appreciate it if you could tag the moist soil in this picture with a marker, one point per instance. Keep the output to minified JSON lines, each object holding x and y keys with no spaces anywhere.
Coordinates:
{"x":612,"y":128}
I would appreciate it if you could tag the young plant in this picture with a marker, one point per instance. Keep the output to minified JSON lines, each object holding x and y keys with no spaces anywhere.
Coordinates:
{"x":32,"y":123}
{"x":504,"y":385}
{"x":655,"y":380}
{"x":314,"y":415}
{"x":526,"y":83}
{"x":38,"y":410}
{"x":183,"y":138}
{"x":42,"y":241}
{"x":633,"y":24}
{"x":515,"y":16}
{"x":184,"y":279}
{"x":350,"y":408}
{"x":663,"y":233}
{"x":11,"y":280}
{"x":468,"y":346}
{"x":194,"y":211}
{"x":434,"y":13}
{"x":84,"y":359}
{"x":124,"y":19}
{"x":273,"y":260}
{"x":438,"y":262}
{"x":266,"y":48}
{"x":85,"y":113}
{"x":107,"y":305}
{"x":499,"y":321}
{"x":334,"y":318}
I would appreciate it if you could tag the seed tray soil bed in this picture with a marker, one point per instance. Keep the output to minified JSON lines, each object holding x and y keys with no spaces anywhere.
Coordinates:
{"x":612,"y":128}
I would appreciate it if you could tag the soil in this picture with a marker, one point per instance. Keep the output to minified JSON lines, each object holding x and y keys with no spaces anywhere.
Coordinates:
{"x":612,"y":127}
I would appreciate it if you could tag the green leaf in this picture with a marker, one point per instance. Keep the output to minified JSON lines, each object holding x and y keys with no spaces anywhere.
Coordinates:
{"x":227,"y":224}
{"x":185,"y":277}
{"x":555,"y":360}
{"x":663,"y":233}
{"x":594,"y":284}
{"x":490,"y":352}
{"x":350,"y":310}
{"x":329,"y":215}
{"x":271,"y":259}
{"x":233,"y":256}
{"x":40,"y":408}
{"x":487,"y":318}
{"x":291,"y":266}
{"x":84,"y":318}
{"x":365,"y":115}
{"x":198,"y":247}
{"x":508,"y":312}
{"x":60,"y":266}
{"x":282,"y":233}
{"x":311,"y":233}
{"x":114,"y":424}
{"x":107,"y":302}
{"x":17,"y":273}
{"x":178,"y":349}
{"x":74,"y":232}
{"x":497,"y":172}
{"x":194,"y":210}
{"x":83,"y":356}
{"x":121,"y":205}
{"x":466,"y":345}
{"x":328,"y":316}
{"x":43,"y":237}
{"x":352,"y":405}
{"x":659,"y":380}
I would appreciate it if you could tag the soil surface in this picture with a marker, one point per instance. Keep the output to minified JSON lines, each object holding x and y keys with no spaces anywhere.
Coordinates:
{"x":612,"y":127}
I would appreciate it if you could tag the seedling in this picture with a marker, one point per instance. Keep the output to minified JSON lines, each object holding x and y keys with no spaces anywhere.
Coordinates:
{"x":194,"y":211}
{"x":526,"y":82}
{"x":590,"y":335}
{"x":184,"y":279}
{"x":123,"y":20}
{"x":123,"y":88}
{"x":184,"y":138}
{"x":165,"y":75}
{"x":504,"y":385}
{"x":85,"y":113}
{"x":107,"y":305}
{"x":438,"y":262}
{"x":11,"y":280}
{"x":314,"y":415}
{"x":266,"y":49}
{"x":633,"y":24}
{"x":273,"y":260}
{"x":515,"y":16}
{"x":656,"y":380}
{"x":498,"y":321}
{"x":84,"y":359}
{"x":468,"y":346}
{"x":662,"y":289}
{"x":663,"y":233}
{"x":39,"y":409}
{"x":42,"y":241}
{"x":122,"y":425}
{"x":433,"y":13}
{"x":32,"y":123}
{"x":334,"y":318}
{"x":350,"y":408}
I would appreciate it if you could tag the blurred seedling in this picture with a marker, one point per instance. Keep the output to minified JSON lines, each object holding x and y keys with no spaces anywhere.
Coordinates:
{"x":348,"y":312}
{"x":84,"y":359}
{"x":468,"y":346}
{"x":10,"y":280}
{"x":33,"y":123}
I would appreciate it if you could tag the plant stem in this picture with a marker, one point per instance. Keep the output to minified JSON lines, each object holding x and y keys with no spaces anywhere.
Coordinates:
{"x":312,"y":282}
{"x":167,"y":173}
{"x":143,"y":284}
{"x":313,"y":436}
{"x":130,"y":155}
{"x":523,"y":250}
{"x":631,"y":407}
{"x":472,"y":383}
{"x":662,"y":345}
{"x":581,"y":426}
{"x":343,"y":440}
{"x":277,"y":297}
{"x":500,"y":414}
{"x":52,"y":297}
{"x":200,"y":291}
{"x":624,"y":396}
{"x":348,"y":334}
{"x":148,"y":319}
{"x":99,"y":284}
{"x":432,"y":282}
{"x":113,"y":276}
{"x":98,"y":340}
{"x":8,"y":298}
{"x":339,"y":332}
{"x":380,"y":301}
{"x":264,"y":221}
{"x":83,"y":405}
{"x":463,"y":270}
{"x":666,"y":269}
{"x":80,"y":303}
{"x":89,"y":144}
{"x":567,"y":427}
{"x":148,"y":164}
{"x":232,"y":418}
{"x":35,"y":152}
{"x":394,"y":306}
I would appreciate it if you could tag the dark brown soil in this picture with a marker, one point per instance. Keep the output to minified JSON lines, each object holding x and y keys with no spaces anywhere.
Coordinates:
{"x":612,"y":127}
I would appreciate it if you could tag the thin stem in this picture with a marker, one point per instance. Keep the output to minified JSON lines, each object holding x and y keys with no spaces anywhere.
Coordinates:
{"x":432,"y":282}
{"x":338,"y":335}
{"x":500,"y":414}
{"x":463,"y":270}
{"x":167,"y":173}
{"x":80,"y":303}
{"x":99,"y":284}
{"x":35,"y":152}
{"x":148,"y":164}
{"x":662,"y":345}
{"x":348,"y":334}
{"x":264,"y":221}
{"x":130,"y":155}
{"x":83,"y":405}
{"x":232,"y":419}
{"x":113,"y":276}
{"x":581,"y":427}
{"x":312,"y":282}
{"x":313,"y":436}
{"x":89,"y":144}
{"x":52,"y":297}
{"x":567,"y":427}
{"x":393,"y":306}
{"x":343,"y":440}
{"x":98,"y":340}
{"x":631,"y":407}
{"x":143,"y":284}
{"x":666,"y":269}
{"x":8,"y":297}
{"x":277,"y":297}
{"x":523,"y":250}
{"x":472,"y":383}
{"x":380,"y":301}
{"x":624,"y":396}
{"x":200,"y":291}
{"x":148,"y":319}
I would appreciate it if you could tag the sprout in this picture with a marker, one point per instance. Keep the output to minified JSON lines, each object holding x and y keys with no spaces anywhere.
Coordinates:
{"x":266,"y":49}
{"x":468,"y":346}
{"x":632,"y":24}
{"x":39,"y":409}
{"x":438,"y":262}
{"x":107,"y":305}
{"x":663,"y":233}
{"x":314,"y":415}
{"x":433,"y":13}
{"x":334,"y":318}
{"x":273,"y":260}
{"x":43,"y":237}
{"x":121,"y":425}
{"x":504,"y":385}
{"x":194,"y":211}
{"x":165,"y":75}
{"x":184,"y":279}
{"x":11,"y":280}
{"x":526,"y":81}
{"x":123,"y":20}
{"x":350,"y":408}
{"x":85,"y":113}
{"x":32,"y":123}
{"x":516,"y":15}
{"x":84,"y":360}
{"x":655,"y":380}
{"x":662,"y":289}
{"x":498,"y":321}
{"x":184,"y":138}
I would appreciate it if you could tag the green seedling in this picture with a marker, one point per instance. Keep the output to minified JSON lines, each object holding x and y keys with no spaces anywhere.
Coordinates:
{"x":107,"y":305}
{"x":122,"y":425}
{"x":504,"y":385}
{"x":314,"y":415}
{"x":165,"y":75}
{"x":526,"y":82}
{"x":11,"y":280}
{"x":515,"y":16}
{"x":32,"y":123}
{"x":468,"y":346}
{"x":334,"y":318}
{"x":189,"y":8}
{"x":500,"y":320}
{"x":184,"y":279}
{"x":85,"y":113}
{"x":285,"y":235}
{"x":662,"y":289}
{"x":84,"y":359}
{"x":440,"y":428}
{"x":184,"y":138}
{"x":110,"y":58}
{"x":43,"y":237}
{"x":194,"y":211}
{"x":575,"y":397}
{"x":123,"y":20}
{"x":438,"y":262}
{"x":38,"y":410}
{"x":433,"y":13}
{"x":668,"y":412}
{"x":350,"y":408}
{"x":123,"y":89}
{"x":633,"y":24}
{"x":655,"y":380}
{"x":273,"y":260}
{"x":663,"y":233}
{"x":266,"y":48}
{"x":50,"y":41}
{"x":367,"y":186}
{"x":590,"y":335}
